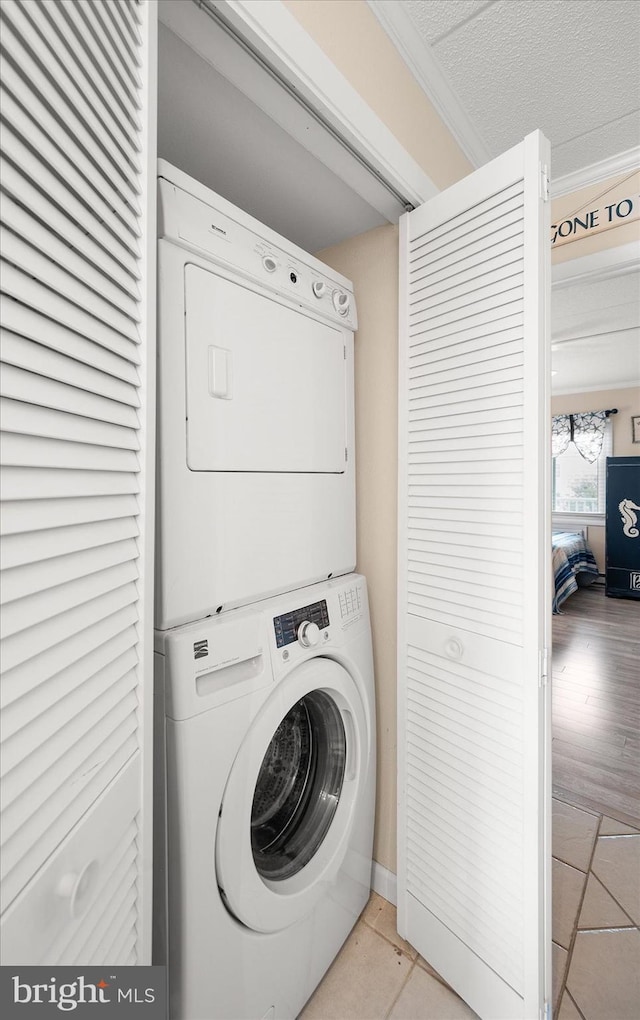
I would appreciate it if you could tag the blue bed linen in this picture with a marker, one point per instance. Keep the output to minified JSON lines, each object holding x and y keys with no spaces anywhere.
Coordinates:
{"x":574,"y":565}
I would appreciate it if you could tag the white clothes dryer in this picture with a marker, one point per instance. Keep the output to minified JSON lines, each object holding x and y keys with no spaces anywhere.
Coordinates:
{"x":256,"y":479}
{"x":270,"y":777}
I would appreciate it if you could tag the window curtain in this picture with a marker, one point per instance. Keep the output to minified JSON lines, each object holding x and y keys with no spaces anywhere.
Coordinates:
{"x":585,"y":431}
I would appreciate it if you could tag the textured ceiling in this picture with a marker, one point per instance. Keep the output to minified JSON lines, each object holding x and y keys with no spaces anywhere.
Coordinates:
{"x":568,"y":67}
{"x":595,"y":329}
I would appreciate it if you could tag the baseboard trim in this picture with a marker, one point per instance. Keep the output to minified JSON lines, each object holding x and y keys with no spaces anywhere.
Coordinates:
{"x":384,"y":882}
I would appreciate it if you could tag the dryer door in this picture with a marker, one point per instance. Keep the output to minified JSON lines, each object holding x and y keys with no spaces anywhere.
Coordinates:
{"x":288,"y":805}
{"x":266,"y":384}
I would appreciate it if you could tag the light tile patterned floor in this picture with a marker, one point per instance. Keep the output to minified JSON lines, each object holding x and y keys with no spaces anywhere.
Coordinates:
{"x":596,"y":933}
{"x":596,"y":916}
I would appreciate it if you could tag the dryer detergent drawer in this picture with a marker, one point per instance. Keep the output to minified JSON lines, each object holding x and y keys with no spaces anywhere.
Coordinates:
{"x":265,"y":383}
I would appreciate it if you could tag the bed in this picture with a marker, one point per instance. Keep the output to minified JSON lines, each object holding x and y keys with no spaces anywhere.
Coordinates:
{"x":574,"y":565}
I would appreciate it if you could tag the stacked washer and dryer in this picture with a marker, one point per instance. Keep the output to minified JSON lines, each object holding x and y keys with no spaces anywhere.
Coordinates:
{"x":264,"y":676}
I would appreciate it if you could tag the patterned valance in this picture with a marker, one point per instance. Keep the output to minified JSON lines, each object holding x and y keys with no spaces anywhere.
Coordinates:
{"x":585,"y":431}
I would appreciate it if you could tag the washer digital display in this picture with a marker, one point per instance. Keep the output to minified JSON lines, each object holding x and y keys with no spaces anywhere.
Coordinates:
{"x":286,"y":626}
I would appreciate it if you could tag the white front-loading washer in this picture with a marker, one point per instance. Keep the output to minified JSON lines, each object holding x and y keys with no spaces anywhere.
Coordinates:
{"x":256,"y":466}
{"x":270,"y":778}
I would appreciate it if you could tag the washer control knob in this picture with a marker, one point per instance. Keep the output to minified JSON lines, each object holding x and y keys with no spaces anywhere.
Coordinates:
{"x":341,"y":302}
{"x":308,"y":634}
{"x":269,"y":263}
{"x":319,"y":288}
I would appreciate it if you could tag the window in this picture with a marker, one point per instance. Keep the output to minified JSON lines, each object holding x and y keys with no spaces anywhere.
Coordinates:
{"x":578,"y":486}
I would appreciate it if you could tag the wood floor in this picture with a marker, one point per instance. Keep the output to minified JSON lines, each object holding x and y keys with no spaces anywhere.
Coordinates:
{"x":596,"y":704}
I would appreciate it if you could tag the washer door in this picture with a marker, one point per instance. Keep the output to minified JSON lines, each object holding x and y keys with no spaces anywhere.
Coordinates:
{"x":287,"y":810}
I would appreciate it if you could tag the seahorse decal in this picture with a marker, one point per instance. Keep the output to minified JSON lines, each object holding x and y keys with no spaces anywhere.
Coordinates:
{"x":629,"y":518}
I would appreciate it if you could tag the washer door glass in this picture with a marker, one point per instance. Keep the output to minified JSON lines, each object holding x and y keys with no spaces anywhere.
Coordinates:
{"x":298,"y":787}
{"x":289,"y":804}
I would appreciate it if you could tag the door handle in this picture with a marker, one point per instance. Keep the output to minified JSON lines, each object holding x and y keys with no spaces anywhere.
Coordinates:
{"x":220,"y":373}
{"x":454,"y":648}
{"x":350,"y":739}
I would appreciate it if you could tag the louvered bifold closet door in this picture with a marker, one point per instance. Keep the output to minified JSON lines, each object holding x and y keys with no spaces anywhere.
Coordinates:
{"x":474,"y":550}
{"x":76,"y":401}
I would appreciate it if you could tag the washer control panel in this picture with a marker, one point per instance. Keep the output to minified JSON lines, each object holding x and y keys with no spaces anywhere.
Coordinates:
{"x":308,"y":634}
{"x":303,"y":625}
{"x":350,"y":601}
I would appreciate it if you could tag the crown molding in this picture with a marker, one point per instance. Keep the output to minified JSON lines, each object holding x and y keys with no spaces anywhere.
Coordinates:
{"x":427,"y":70}
{"x":613,"y":166}
{"x":625,"y":385}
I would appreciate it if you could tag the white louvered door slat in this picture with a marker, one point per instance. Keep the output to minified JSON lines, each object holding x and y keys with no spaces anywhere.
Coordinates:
{"x":29,"y":452}
{"x":49,"y":933}
{"x":77,"y":211}
{"x":20,"y":351}
{"x":62,"y":309}
{"x":63,"y":597}
{"x":474,"y":586}
{"x":33,"y":420}
{"x":90,"y":938}
{"x":58,"y":206}
{"x":126,"y":142}
{"x":26,"y":226}
{"x":24,"y":516}
{"x":130,"y":24}
{"x":114,"y":654}
{"x":116,"y":60}
{"x":25,"y":386}
{"x":31,"y":325}
{"x":59,"y":220}
{"x":105,"y":96}
{"x":42,"y":131}
{"x":118,"y":27}
{"x":26,"y":678}
{"x":110,"y":26}
{"x":19,"y":746}
{"x":89,"y":42}
{"x":74,"y":621}
{"x":57,"y":542}
{"x":37,"y":577}
{"x":67,"y":284}
{"x":83,"y":126}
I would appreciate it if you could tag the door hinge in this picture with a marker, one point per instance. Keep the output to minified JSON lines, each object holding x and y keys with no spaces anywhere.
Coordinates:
{"x":545,"y":1012}
{"x":544,"y":183}
{"x":344,"y":353}
{"x":543,"y":667}
{"x":346,"y":454}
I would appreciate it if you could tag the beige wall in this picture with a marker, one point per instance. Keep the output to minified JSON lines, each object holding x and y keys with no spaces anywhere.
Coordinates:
{"x":628,"y":403}
{"x":351,"y":36}
{"x":371,"y":261}
{"x":596,"y":195}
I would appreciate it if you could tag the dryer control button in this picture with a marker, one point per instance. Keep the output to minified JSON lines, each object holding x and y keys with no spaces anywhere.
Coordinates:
{"x":269,"y":263}
{"x":319,"y":288}
{"x":341,"y":302}
{"x":308,"y":634}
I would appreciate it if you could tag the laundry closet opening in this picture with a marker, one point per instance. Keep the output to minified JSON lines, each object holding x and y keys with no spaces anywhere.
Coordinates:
{"x":284,"y":169}
{"x":210,"y":128}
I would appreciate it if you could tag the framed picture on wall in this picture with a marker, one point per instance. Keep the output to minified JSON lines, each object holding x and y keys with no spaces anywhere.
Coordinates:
{"x":635,"y":428}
